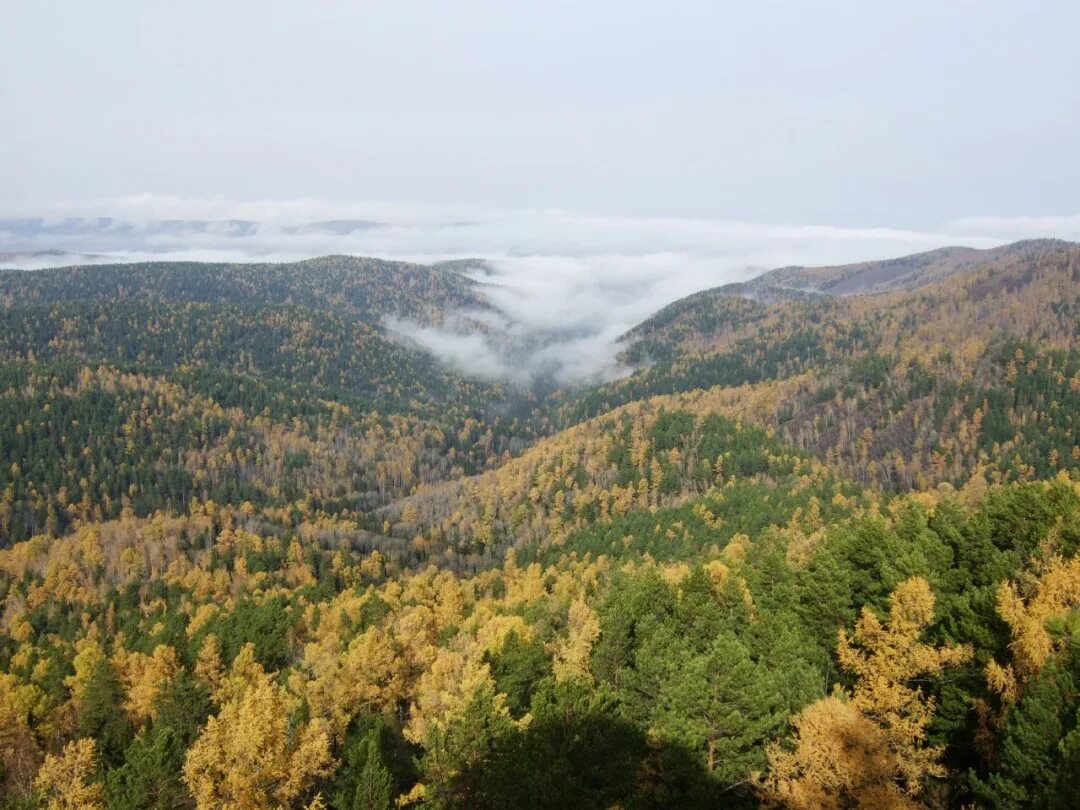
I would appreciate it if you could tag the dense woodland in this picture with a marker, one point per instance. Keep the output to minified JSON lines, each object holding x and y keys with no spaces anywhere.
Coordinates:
{"x":816,"y":550}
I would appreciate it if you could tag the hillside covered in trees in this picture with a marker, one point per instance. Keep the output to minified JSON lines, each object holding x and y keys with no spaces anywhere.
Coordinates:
{"x":818,"y":549}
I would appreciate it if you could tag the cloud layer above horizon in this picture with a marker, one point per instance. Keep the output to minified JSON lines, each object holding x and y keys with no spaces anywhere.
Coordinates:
{"x":564,"y":285}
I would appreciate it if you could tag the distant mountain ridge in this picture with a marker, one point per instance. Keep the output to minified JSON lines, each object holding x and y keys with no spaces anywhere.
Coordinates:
{"x":795,"y":282}
{"x":24,"y":239}
{"x":903,"y":273}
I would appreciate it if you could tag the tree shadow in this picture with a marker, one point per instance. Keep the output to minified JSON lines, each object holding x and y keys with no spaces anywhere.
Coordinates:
{"x":578,"y":752}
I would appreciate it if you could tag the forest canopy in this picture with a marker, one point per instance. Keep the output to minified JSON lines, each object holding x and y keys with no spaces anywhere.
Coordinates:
{"x":816,"y":549}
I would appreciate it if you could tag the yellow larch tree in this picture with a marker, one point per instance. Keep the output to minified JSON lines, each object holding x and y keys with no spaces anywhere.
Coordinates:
{"x":868,"y":748}
{"x":20,"y":754}
{"x":571,"y":659}
{"x":1053,"y":594}
{"x":144,"y":676}
{"x":445,"y":690}
{"x":370,"y":676}
{"x":86,"y":660}
{"x":841,"y":759}
{"x":66,"y":781}
{"x":886,"y":658}
{"x":255,"y":754}
{"x":208,"y":666}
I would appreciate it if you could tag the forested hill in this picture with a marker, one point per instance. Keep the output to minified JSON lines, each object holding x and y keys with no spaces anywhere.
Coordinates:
{"x":902,"y":389}
{"x":692,"y":321}
{"x":818,"y":550}
{"x":360,"y":288}
{"x":148,"y":386}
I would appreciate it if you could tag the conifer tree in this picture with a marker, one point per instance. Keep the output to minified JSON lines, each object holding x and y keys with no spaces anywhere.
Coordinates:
{"x":375,"y":786}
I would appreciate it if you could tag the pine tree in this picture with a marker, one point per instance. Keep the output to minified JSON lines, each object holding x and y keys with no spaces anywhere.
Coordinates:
{"x":375,"y":786}
{"x":101,"y":713}
{"x":1036,"y":756}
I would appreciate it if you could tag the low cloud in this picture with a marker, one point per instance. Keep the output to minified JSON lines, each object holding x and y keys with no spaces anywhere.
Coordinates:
{"x":563,"y":285}
{"x":470,"y":353}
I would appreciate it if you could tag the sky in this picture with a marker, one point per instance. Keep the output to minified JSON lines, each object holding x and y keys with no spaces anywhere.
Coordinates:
{"x":606,"y":157}
{"x":842,"y":113}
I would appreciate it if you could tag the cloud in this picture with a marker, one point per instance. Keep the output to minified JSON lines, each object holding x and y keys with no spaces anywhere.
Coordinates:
{"x":470,"y":353}
{"x":563,"y":285}
{"x":1014,"y":228}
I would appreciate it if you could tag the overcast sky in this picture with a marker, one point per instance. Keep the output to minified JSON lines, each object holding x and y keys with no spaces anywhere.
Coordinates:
{"x":902,"y":114}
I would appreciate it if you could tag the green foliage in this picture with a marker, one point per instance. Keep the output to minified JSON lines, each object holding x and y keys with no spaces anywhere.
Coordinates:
{"x":376,"y":765}
{"x":265,"y":624}
{"x":1036,"y":762}
{"x":102,"y":716}
{"x":517,"y":667}
{"x":460,"y":757}
{"x":150,"y":774}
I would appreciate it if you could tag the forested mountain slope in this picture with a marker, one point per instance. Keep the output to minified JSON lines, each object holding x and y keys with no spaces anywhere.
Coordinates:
{"x":150,"y":386}
{"x":313,"y":322}
{"x":817,"y":550}
{"x":910,"y":388}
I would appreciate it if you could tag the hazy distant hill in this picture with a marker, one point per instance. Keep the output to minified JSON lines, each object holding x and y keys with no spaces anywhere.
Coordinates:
{"x":904,"y":273}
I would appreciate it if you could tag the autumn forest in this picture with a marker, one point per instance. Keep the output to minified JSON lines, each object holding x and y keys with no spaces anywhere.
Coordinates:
{"x":817,"y":547}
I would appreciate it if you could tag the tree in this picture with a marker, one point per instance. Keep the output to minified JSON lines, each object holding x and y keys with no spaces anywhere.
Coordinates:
{"x":517,"y":667}
{"x":68,"y":781}
{"x":841,"y":759}
{"x":375,"y":785}
{"x":257,"y":752}
{"x":20,"y":754}
{"x":886,"y":658}
{"x":144,"y":676}
{"x":572,"y":653}
{"x":460,"y":749}
{"x":1036,"y":762}
{"x":869,"y":748}
{"x":153,"y":764}
{"x":375,"y":763}
{"x":101,"y":713}
{"x":578,"y":751}
{"x":725,"y":706}
{"x":1053,"y":594}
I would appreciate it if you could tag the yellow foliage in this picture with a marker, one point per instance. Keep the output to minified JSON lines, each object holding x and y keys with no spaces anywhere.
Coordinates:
{"x":86,"y":660}
{"x":66,"y":782}
{"x":841,"y":759}
{"x":20,"y":754}
{"x":445,"y":690}
{"x":371,"y":676}
{"x":251,"y":755}
{"x":870,"y":749}
{"x":143,"y":676}
{"x":885,"y":659}
{"x":202,"y":615}
{"x":1054,"y":593}
{"x":245,"y":673}
{"x":719,"y":575}
{"x":571,"y":659}
{"x":208,"y":667}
